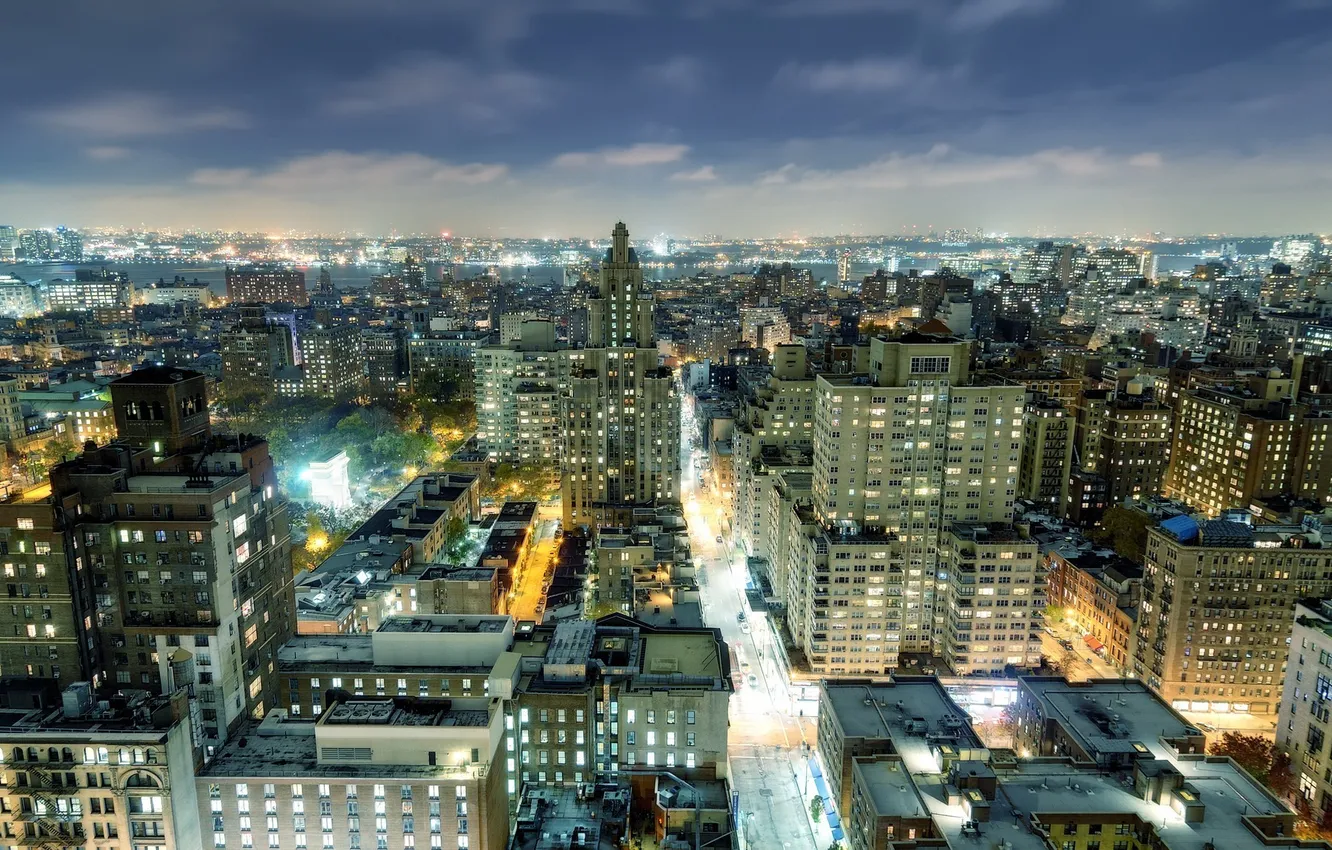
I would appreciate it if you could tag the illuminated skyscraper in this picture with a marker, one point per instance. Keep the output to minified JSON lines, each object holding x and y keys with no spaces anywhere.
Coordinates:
{"x":621,"y":413}
{"x":8,"y":243}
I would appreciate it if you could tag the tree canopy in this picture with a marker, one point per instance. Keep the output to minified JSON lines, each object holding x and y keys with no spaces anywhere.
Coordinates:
{"x":1125,"y":531}
{"x":1254,"y":753}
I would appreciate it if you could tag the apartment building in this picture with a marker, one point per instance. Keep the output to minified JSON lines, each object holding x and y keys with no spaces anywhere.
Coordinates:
{"x":774,"y":431}
{"x":88,"y":294}
{"x":158,"y":563}
{"x":620,"y":694}
{"x":385,"y":362}
{"x":518,"y":388}
{"x":446,"y":352}
{"x":1216,"y":614}
{"x":1237,"y":441}
{"x":904,"y":451}
{"x":888,"y":721}
{"x":1047,"y":453}
{"x":996,"y":592}
{"x":1307,"y":691}
{"x":117,"y":775}
{"x":369,"y":772}
{"x":256,"y":348}
{"x":332,"y":364}
{"x":582,"y":701}
{"x":266,"y":284}
{"x":1099,"y":593}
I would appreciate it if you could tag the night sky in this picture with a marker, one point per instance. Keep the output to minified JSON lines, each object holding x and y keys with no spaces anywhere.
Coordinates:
{"x":744,"y":117}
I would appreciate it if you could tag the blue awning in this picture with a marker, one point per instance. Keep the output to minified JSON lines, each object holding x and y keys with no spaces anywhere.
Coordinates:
{"x":829,"y":809}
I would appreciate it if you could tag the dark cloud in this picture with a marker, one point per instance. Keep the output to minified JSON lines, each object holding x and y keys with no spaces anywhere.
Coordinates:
{"x":736,"y":115}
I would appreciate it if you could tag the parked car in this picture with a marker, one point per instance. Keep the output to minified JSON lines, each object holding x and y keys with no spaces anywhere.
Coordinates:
{"x":719,"y":538}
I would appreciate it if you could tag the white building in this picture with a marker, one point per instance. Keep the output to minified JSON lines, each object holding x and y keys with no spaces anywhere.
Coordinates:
{"x":19,"y":300}
{"x":518,"y":387}
{"x":900,"y":454}
{"x":994,"y":598}
{"x":330,"y":485}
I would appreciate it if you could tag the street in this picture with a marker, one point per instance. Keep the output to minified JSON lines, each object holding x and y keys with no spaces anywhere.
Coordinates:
{"x":527,"y":597}
{"x":1090,"y":665}
{"x":770,"y":741}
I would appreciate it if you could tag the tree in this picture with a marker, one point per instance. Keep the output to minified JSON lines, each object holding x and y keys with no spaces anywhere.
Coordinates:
{"x":57,"y":450}
{"x":455,"y":538}
{"x":320,"y":542}
{"x":1008,"y":719}
{"x":528,"y":481}
{"x":1055,"y":613}
{"x":1279,"y":775}
{"x":1125,"y":531}
{"x":1252,"y":752}
{"x":816,"y":808}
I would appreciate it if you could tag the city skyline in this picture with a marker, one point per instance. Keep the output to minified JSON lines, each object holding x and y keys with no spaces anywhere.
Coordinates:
{"x":507,"y":118}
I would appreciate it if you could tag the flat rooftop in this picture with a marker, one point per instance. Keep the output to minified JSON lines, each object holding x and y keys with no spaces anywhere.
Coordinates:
{"x":289,"y":748}
{"x":691,"y":654}
{"x":446,"y":623}
{"x":903,"y":711}
{"x":1111,"y":715}
{"x":890,"y":787}
{"x":303,"y":650}
{"x":1055,"y":788}
{"x":391,"y":712}
{"x":210,"y":482}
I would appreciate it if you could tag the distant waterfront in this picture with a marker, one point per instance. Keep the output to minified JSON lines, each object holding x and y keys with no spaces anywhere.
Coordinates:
{"x":213,"y":274}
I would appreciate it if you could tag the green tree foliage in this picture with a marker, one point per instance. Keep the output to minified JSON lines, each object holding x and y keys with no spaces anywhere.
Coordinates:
{"x":1125,"y":531}
{"x":816,"y":808}
{"x":527,"y":481}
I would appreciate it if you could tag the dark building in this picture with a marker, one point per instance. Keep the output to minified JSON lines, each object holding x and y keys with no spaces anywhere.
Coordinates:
{"x":1086,"y":501}
{"x":161,"y":409}
{"x":138,"y":571}
{"x":386,"y":362}
{"x":266,"y":284}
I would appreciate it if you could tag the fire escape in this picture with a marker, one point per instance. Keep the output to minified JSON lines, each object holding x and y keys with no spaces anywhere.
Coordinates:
{"x":48,"y":820}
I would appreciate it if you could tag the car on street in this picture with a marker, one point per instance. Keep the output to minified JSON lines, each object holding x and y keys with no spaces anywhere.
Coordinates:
{"x":753,"y":680}
{"x":744,"y":627}
{"x":1066,"y":644}
{"x":740,"y":617}
{"x":719,"y":538}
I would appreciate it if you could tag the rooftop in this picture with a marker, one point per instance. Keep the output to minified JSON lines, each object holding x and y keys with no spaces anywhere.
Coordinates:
{"x":1110,"y":715}
{"x":891,"y":788}
{"x":401,"y":712}
{"x":156,"y":376}
{"x":446,"y":623}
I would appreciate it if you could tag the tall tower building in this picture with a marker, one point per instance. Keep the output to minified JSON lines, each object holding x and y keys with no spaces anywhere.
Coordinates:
{"x":159,"y":562}
{"x":9,"y":243}
{"x":621,"y":413}
{"x":900,"y":454}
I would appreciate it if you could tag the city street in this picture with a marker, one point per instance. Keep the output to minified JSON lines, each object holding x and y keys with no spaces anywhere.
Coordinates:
{"x":768,"y":746}
{"x":527,"y":597}
{"x":1090,"y":666}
